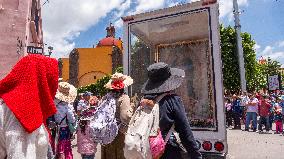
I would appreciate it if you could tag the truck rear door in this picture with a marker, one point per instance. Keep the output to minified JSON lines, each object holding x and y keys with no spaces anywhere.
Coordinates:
{"x":186,"y":37}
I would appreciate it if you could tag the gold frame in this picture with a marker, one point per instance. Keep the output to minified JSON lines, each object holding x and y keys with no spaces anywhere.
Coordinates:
{"x":210,"y":83}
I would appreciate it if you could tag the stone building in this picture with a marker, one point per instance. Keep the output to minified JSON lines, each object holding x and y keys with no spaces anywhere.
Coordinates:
{"x":21,"y":26}
{"x":86,"y":65}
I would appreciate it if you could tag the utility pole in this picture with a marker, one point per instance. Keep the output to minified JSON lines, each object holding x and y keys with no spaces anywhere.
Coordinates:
{"x":239,"y":46}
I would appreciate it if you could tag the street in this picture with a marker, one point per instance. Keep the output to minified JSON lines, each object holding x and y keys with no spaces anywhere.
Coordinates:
{"x":243,"y":145}
{"x":251,"y":145}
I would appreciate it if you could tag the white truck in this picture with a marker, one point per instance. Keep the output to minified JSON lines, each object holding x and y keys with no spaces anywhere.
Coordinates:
{"x":184,"y":36}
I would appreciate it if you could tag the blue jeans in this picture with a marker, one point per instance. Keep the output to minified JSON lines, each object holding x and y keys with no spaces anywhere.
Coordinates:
{"x":251,"y":116}
{"x":263,"y":121}
{"x":88,"y":156}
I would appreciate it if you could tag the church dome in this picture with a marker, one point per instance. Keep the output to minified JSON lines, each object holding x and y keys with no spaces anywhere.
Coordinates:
{"x":110,"y":39}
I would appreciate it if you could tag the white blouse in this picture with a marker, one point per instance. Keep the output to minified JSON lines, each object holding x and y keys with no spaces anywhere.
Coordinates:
{"x":15,"y":142}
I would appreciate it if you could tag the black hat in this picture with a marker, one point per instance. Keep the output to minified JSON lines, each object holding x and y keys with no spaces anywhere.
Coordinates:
{"x":162,"y":78}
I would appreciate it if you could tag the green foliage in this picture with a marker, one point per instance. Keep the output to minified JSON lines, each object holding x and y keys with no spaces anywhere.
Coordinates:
{"x":96,"y":88}
{"x":231,"y":74}
{"x":256,"y":74}
{"x":272,"y":67}
{"x":269,"y":68}
{"x":261,"y":77}
{"x":119,"y":69}
{"x":250,"y":61}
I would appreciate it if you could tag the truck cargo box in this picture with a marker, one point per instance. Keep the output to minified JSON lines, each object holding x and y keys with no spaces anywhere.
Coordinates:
{"x":187,"y":37}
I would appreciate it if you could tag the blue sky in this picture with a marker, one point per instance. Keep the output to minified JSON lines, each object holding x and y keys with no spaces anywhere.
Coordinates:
{"x":71,"y":23}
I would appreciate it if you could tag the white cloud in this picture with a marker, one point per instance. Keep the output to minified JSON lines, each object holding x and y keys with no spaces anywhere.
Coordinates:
{"x":226,"y":8}
{"x":171,"y":4}
{"x":281,"y":44}
{"x":146,"y":5}
{"x":273,"y":52}
{"x":276,"y":56}
{"x":141,"y":6}
{"x":267,"y":51}
{"x":63,"y":20}
{"x":256,"y":47}
{"x":193,"y":0}
{"x":118,"y":23}
{"x":122,"y":9}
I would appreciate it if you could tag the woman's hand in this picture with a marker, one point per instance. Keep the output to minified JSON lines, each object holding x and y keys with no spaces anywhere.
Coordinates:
{"x":147,"y":102}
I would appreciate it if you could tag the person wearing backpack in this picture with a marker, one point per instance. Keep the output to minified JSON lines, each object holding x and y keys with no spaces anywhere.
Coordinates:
{"x":123,"y":114}
{"x":159,"y":93}
{"x":64,"y":117}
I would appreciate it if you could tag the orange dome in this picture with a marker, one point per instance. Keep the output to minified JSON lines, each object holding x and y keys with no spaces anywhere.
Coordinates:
{"x":110,"y":41}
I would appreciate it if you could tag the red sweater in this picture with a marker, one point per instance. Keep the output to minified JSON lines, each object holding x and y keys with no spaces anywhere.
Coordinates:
{"x":264,"y":108}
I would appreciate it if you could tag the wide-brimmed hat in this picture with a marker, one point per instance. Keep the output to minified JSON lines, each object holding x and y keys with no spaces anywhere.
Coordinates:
{"x":162,"y":78}
{"x":119,"y":81}
{"x":66,"y":92}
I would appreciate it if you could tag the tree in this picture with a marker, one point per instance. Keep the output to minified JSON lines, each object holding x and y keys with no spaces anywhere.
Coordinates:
{"x":250,"y":61}
{"x":256,"y":73}
{"x":98,"y":88}
{"x":229,"y":54}
{"x":270,"y":67}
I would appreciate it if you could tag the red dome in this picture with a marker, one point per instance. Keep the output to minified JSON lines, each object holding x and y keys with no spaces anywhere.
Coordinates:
{"x":109,"y":41}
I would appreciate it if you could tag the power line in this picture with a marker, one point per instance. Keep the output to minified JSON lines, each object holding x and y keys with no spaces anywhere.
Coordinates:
{"x":47,"y":1}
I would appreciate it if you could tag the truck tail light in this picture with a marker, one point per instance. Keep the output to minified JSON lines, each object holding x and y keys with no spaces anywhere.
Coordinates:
{"x":207,"y":145}
{"x":219,"y":146}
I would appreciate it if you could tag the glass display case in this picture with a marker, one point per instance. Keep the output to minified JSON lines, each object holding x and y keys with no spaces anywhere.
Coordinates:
{"x":182,"y":41}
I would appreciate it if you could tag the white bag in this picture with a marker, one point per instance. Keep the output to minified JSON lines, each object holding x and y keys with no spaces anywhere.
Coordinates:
{"x":144,"y":123}
{"x":103,"y":125}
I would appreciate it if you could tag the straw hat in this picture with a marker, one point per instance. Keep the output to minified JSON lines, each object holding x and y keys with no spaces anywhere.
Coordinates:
{"x":119,"y":81}
{"x":66,"y":92}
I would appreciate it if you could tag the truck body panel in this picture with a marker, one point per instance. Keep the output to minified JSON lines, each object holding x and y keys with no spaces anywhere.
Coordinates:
{"x":187,"y":37}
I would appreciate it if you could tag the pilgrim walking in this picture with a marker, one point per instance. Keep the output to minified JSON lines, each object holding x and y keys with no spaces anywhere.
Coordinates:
{"x":166,"y":113}
{"x":65,"y":117}
{"x":26,"y":101}
{"x":124,"y":111}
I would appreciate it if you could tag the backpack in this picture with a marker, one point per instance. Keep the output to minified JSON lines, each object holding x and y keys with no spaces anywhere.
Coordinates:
{"x":72,"y":126}
{"x":52,"y":124}
{"x":143,"y":139}
{"x":103,"y":125}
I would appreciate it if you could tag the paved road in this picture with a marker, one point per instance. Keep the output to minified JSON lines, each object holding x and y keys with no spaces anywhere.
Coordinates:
{"x":244,"y":145}
{"x":251,"y":145}
{"x":78,"y":156}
